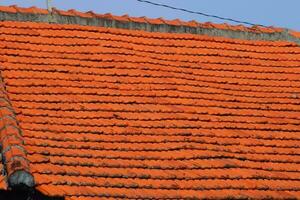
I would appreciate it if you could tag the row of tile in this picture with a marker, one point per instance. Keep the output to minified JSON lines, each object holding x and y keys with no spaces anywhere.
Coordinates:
{"x":142,"y":74}
{"x":199,"y":70}
{"x":185,"y":54}
{"x":153,"y":166}
{"x":90,"y":33}
{"x":119,"y":134}
{"x":147,"y":74}
{"x":84,"y":66}
{"x":221,"y":124}
{"x":192,"y":146}
{"x":235,"y":125}
{"x":157,"y":47}
{"x":88,"y":193}
{"x":137,"y":47}
{"x":67,"y":40}
{"x":198,"y":185}
{"x":114,"y":107}
{"x":134,"y":156}
{"x":101,"y":46}
{"x":130,"y":77}
{"x":164,"y":112}
{"x":223,"y":167}
{"x":169,"y":124}
{"x":238,"y":146}
{"x":163,"y":59}
{"x":65,"y":95}
{"x":177,"y":133}
{"x":217,"y":169}
{"x":137,"y":104}
{"x":211,"y":169}
{"x":136,"y":176}
{"x":273,"y":117}
{"x":69,"y":88}
{"x":138,"y":85}
{"x":70,"y":127}
{"x":70,"y":118}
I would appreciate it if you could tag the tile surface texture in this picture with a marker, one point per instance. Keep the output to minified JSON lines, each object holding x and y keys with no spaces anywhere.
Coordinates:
{"x":112,"y":113}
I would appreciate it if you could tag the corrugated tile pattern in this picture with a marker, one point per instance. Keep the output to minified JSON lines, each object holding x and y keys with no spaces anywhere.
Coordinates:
{"x":110,"y":113}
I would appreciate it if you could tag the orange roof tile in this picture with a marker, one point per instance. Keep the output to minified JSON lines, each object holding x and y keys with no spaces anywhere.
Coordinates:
{"x":95,"y":112}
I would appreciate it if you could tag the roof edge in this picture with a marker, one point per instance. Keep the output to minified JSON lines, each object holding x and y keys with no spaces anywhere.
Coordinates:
{"x":14,"y":13}
{"x":13,"y":151}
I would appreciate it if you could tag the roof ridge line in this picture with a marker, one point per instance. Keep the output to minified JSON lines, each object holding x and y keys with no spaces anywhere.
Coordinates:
{"x":13,"y":152}
{"x":33,"y":14}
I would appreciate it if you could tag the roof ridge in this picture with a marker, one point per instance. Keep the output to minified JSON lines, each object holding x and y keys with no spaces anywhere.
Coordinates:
{"x":89,"y":18}
{"x":14,"y":154}
{"x":142,"y":19}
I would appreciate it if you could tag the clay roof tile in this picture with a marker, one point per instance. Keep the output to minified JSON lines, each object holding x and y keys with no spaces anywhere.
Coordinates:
{"x":193,"y":23}
{"x":11,"y":9}
{"x":80,"y":14}
{"x":89,"y":112}
{"x":138,"y":19}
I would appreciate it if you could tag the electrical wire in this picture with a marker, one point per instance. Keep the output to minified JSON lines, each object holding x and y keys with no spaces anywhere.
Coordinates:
{"x":200,"y":13}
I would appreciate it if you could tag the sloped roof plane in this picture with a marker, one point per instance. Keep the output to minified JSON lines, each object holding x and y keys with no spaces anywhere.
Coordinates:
{"x":105,"y":112}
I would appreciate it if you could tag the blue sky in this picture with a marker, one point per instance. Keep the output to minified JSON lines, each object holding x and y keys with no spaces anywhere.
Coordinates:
{"x":267,"y":12}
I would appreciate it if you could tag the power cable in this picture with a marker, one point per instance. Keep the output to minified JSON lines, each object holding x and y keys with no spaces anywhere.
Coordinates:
{"x":200,"y":13}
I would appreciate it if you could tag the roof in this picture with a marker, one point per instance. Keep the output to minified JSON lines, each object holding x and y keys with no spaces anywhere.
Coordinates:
{"x":99,"y":112}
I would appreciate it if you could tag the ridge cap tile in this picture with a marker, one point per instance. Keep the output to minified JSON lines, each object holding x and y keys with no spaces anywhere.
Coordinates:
{"x":39,"y":10}
{"x":106,"y":15}
{"x":11,"y":9}
{"x":14,"y":161}
{"x":137,"y":19}
{"x":78,"y":13}
{"x":62,"y":12}
{"x":91,"y":13}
